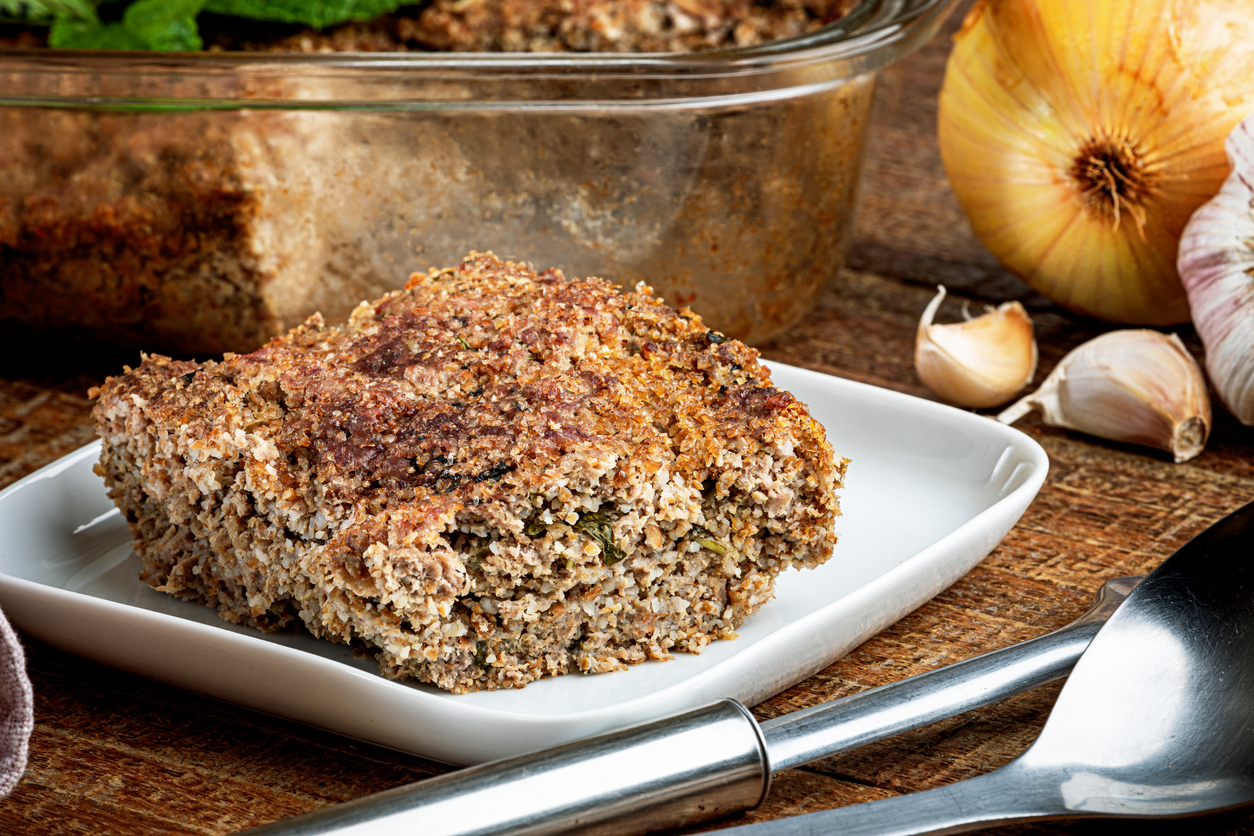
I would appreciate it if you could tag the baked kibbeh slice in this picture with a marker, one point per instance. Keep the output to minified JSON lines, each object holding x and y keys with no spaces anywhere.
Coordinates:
{"x":484,"y":478}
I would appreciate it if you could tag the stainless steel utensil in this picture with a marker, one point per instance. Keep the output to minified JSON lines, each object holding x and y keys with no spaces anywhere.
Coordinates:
{"x":700,"y":765}
{"x":1157,"y":719}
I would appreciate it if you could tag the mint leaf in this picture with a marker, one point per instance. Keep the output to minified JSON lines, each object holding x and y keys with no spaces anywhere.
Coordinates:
{"x":71,"y":33}
{"x":316,"y":13}
{"x":47,"y":11}
{"x":146,"y":24}
{"x":164,"y":24}
{"x":171,"y":24}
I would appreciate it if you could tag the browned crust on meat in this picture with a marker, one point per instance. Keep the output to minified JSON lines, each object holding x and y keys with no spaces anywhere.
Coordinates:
{"x":486,"y":477}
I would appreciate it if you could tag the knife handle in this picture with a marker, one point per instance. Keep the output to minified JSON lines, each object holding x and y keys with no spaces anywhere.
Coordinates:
{"x":814,"y":733}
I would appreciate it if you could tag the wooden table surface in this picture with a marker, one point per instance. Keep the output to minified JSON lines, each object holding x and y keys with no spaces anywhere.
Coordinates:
{"x":116,"y":754}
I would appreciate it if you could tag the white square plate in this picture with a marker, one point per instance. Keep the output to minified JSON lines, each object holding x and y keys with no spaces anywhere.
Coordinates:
{"x":931,"y":490}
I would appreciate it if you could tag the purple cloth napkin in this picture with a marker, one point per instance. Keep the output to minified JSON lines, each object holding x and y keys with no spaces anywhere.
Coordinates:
{"x":16,"y":709}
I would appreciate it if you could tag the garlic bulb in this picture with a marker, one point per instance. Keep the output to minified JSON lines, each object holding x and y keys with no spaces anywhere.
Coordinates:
{"x":1137,"y":386}
{"x":1217,"y":266}
{"x":1079,"y":135}
{"x":982,"y":362}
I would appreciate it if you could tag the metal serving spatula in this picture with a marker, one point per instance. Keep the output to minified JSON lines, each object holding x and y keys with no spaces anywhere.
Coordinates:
{"x":1157,"y":721}
{"x":700,"y":765}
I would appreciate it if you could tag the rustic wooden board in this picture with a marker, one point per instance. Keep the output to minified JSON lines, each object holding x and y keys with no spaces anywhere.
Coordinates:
{"x":116,"y":754}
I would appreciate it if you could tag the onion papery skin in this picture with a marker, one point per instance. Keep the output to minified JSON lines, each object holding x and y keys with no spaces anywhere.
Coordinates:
{"x":1080,"y":135}
{"x":1216,"y":263}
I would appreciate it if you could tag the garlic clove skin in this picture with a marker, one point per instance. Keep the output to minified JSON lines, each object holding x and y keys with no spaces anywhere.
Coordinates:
{"x":1216,"y":263}
{"x":979,"y":363}
{"x":1135,"y":386}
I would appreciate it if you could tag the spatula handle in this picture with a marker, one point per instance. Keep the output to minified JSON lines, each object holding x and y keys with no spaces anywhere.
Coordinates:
{"x":683,"y":770}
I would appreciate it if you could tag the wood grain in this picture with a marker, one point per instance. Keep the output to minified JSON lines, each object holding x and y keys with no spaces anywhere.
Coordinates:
{"x":116,"y":754}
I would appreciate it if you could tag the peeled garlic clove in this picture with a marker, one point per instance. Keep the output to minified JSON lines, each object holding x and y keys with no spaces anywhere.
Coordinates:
{"x":1137,"y":386}
{"x":979,"y":363}
{"x":1216,"y":264}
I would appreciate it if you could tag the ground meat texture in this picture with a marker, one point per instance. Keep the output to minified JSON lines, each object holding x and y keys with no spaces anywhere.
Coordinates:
{"x":521,"y":26}
{"x":555,"y":26}
{"x":487,"y":477}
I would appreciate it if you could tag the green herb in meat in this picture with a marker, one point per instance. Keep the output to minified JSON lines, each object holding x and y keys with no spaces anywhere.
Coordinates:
{"x":600,"y":528}
{"x":702,"y":537}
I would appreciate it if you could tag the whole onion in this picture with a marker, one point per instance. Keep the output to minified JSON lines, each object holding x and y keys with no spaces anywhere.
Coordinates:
{"x":1080,"y":135}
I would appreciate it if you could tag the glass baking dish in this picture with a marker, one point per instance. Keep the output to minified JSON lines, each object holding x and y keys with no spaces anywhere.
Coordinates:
{"x":203,"y":202}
